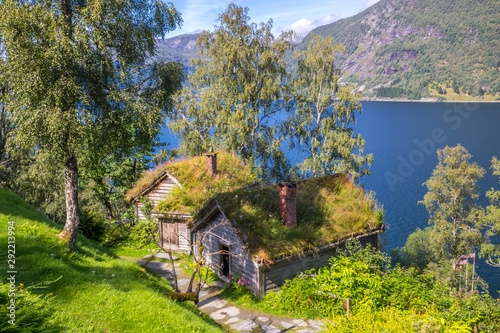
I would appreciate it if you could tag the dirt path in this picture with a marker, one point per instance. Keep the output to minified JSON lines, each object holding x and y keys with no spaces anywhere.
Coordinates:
{"x":232,"y":318}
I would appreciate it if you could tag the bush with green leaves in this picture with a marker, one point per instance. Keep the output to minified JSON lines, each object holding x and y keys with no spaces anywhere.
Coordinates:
{"x":364,"y":276}
{"x":93,"y":226}
{"x":238,"y":288}
{"x":480,"y":311}
{"x":392,"y":320}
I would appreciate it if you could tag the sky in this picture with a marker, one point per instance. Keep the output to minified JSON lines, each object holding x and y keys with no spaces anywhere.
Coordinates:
{"x":299,"y":15}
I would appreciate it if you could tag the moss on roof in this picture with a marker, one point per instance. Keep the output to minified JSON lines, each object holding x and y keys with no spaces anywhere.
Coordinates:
{"x":197,"y":186}
{"x":329,"y":209}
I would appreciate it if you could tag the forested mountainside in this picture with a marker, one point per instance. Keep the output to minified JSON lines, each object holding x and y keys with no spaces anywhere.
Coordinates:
{"x":179,"y":48}
{"x":407,"y":48}
{"x":417,"y":48}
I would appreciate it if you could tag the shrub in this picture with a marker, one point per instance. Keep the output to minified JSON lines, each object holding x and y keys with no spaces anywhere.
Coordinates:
{"x":238,"y":288}
{"x":93,"y":226}
{"x":364,"y":276}
{"x":391,"y":320}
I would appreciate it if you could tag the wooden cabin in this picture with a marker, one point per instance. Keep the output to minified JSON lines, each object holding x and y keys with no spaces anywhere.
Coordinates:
{"x":198,"y":179}
{"x":267,"y":243}
{"x":173,"y":231}
{"x":265,"y":234}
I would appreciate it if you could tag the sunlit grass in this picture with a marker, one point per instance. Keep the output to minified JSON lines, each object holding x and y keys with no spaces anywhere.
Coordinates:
{"x":93,"y":290}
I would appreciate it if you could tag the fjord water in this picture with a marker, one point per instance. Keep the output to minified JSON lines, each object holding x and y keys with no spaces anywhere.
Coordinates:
{"x":403,"y":137}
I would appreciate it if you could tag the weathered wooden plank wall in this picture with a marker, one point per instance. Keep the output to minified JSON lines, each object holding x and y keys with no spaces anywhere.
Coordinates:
{"x":157,"y":194}
{"x":220,"y":231}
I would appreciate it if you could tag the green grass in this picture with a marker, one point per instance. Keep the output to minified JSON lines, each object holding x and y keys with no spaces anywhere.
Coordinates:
{"x":198,"y":187}
{"x":92,"y":289}
{"x":329,"y":209}
{"x":132,"y":252}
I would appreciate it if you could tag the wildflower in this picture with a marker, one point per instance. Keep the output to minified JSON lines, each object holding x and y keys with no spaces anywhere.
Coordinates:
{"x":112,"y":275}
{"x":21,"y":284}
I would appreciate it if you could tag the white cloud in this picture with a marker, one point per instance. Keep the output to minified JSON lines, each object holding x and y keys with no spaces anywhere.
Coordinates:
{"x":303,"y":26}
{"x":369,"y":3}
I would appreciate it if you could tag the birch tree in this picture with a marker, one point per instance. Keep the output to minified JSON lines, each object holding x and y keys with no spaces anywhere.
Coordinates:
{"x":492,"y":220}
{"x":237,"y":92}
{"x":325,"y":114}
{"x":76,"y":70}
{"x":455,"y":217}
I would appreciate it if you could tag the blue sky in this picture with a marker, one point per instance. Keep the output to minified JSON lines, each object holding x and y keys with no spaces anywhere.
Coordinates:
{"x":299,"y":15}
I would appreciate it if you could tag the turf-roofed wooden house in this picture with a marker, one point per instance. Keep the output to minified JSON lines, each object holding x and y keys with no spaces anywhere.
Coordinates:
{"x":178,"y":188}
{"x":268,"y":234}
{"x":265,"y":234}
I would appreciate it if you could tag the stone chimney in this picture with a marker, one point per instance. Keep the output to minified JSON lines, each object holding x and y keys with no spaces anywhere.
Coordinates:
{"x":288,"y":203}
{"x":211,"y":164}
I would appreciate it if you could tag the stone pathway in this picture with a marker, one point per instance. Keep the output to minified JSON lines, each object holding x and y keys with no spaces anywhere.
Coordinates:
{"x":230,"y":317}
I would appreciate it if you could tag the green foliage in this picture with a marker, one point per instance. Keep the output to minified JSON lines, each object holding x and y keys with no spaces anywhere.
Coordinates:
{"x":393,"y":320}
{"x":82,"y":89}
{"x":492,"y":219}
{"x":235,"y":92}
{"x":237,"y":289}
{"x":33,"y":313}
{"x":450,"y":200}
{"x":325,"y":114}
{"x":93,"y":226}
{"x":95,"y":291}
{"x":458,"y":226}
{"x":479,"y":311}
{"x":390,"y":92}
{"x":365,"y":277}
{"x":417,"y":251}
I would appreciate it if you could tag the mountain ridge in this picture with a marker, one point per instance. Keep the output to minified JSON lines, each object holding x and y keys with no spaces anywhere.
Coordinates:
{"x":415,"y":48}
{"x":405,"y":49}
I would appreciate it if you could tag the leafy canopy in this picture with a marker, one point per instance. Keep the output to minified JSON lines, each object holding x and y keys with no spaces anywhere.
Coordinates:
{"x":236,"y":93}
{"x":83,"y":89}
{"x":325,"y":113}
{"x":450,"y":200}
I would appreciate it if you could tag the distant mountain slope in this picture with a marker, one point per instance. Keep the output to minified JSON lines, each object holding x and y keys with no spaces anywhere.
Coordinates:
{"x":417,"y":48}
{"x":406,"y":48}
{"x":183,"y":48}
{"x":179,"y":48}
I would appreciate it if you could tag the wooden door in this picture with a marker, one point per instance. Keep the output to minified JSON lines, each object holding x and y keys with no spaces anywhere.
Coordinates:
{"x":169,"y":233}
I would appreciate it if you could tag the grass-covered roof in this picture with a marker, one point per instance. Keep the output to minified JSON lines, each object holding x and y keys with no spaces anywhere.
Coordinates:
{"x":329,"y":209}
{"x":198,"y":187}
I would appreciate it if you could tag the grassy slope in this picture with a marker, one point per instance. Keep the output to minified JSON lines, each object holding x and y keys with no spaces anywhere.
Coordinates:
{"x":450,"y":41}
{"x":96,"y":290}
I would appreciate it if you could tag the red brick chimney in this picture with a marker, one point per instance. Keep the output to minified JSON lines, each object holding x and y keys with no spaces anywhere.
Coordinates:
{"x":288,"y":203}
{"x":211,"y":164}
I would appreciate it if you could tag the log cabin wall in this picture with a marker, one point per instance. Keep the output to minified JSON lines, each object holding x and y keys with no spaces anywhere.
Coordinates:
{"x":156,"y":195}
{"x":219,"y":231}
{"x":174,"y":234}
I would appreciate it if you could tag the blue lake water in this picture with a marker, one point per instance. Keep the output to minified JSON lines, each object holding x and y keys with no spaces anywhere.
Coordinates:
{"x":403,"y":137}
